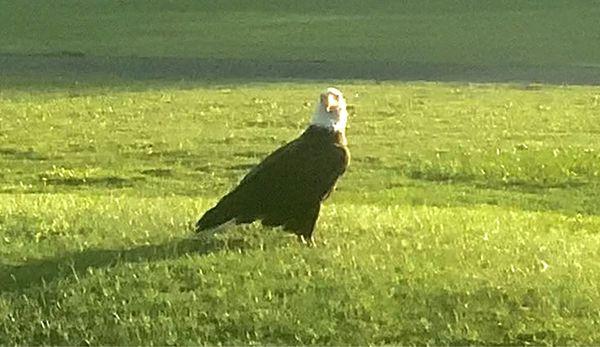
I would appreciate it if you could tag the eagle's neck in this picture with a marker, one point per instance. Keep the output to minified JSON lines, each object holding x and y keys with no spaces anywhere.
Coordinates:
{"x":324,"y":119}
{"x":326,"y":135}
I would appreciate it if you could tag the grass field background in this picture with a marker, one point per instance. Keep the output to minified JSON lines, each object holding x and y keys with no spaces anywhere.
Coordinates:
{"x":469,"y":214}
{"x":435,"y":31}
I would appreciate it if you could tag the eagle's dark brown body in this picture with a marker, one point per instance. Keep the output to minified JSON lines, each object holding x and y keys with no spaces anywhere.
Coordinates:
{"x":287,"y":187}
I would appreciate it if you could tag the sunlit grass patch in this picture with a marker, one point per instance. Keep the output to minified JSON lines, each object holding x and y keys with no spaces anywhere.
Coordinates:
{"x":468,"y":215}
{"x":379,"y":274}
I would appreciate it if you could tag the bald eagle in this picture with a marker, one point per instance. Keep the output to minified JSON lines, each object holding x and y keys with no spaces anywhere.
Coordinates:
{"x":287,"y":188}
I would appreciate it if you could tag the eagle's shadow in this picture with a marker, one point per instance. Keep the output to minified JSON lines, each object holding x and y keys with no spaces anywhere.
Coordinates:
{"x":38,"y":272}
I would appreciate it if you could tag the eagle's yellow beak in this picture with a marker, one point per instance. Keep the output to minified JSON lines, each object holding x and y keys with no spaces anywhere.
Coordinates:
{"x":330,"y":101}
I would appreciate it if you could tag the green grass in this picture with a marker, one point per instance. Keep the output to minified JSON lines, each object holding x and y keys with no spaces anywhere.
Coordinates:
{"x":469,"y":214}
{"x":487,"y":33}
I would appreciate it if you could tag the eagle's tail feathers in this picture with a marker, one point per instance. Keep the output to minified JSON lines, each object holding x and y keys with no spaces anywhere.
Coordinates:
{"x":230,"y":208}
{"x":212,"y":219}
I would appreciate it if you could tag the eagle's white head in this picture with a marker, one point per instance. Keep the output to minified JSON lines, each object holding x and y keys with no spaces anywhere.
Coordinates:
{"x":331,"y":111}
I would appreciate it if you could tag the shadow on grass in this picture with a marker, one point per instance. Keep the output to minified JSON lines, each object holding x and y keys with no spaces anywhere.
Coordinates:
{"x":104,"y":181}
{"x":568,"y":197}
{"x":36,"y":273}
{"x":78,"y":66}
{"x":18,"y":154}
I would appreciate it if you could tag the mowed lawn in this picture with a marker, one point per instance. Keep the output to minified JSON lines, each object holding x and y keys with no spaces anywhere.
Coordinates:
{"x":487,"y":33}
{"x":469,"y":214}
